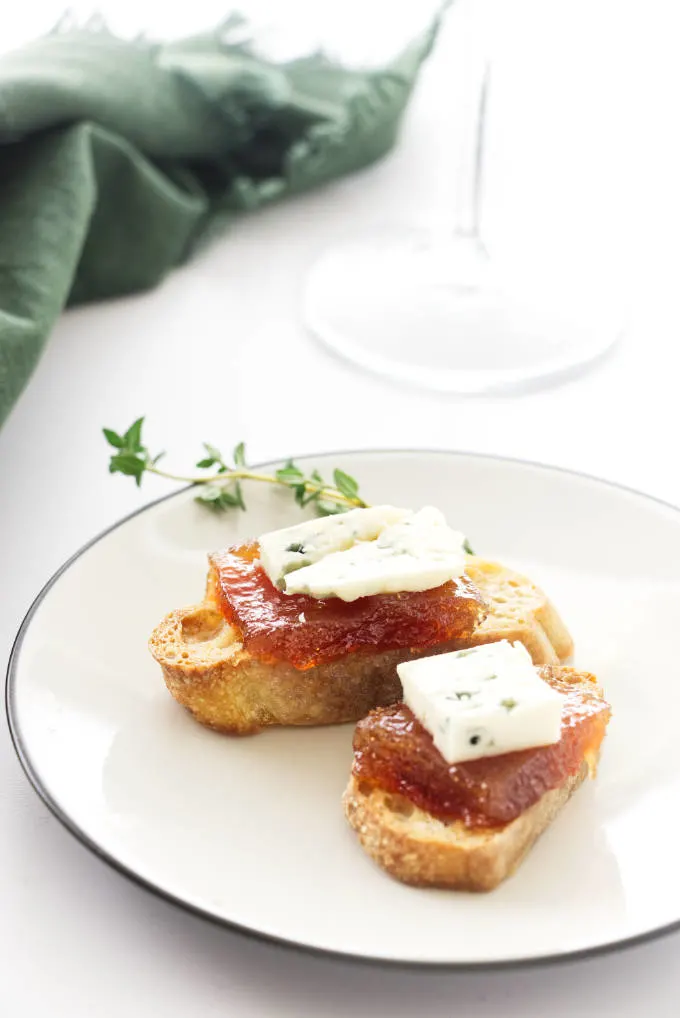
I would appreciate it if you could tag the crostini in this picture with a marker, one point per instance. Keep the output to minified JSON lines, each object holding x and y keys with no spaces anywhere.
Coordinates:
{"x":307,"y":625}
{"x":453,"y":786}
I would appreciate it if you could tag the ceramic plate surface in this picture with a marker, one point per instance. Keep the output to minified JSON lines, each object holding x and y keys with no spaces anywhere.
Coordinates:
{"x":250,"y":832}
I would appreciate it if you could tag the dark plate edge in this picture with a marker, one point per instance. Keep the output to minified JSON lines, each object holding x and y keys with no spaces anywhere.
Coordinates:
{"x":33,"y":778}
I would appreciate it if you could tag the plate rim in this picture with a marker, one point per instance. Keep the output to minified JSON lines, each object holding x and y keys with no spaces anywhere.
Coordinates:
{"x":24,"y":757}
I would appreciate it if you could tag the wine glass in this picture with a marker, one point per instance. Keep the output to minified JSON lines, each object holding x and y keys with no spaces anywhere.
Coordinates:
{"x":432,"y":308}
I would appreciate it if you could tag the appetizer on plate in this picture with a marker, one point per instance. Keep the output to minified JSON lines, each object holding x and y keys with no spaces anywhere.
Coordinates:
{"x":308,"y":624}
{"x":452,"y":787}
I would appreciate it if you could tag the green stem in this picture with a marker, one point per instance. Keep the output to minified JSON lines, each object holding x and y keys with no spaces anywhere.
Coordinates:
{"x":330,"y":494}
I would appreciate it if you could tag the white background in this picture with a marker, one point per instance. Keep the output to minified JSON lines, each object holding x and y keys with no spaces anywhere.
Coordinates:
{"x":583,"y":170}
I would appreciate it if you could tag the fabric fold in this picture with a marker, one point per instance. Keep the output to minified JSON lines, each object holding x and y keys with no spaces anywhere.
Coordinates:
{"x":118,"y":158}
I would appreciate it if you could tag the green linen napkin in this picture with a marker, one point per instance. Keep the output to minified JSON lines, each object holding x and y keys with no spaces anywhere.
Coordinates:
{"x":118,"y":158}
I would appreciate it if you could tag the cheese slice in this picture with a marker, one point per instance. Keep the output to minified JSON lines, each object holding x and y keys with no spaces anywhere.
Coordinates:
{"x":483,"y":701}
{"x":285,"y":551}
{"x":389,"y":551}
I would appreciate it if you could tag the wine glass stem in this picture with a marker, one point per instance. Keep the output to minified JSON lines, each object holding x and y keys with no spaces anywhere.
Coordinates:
{"x":470,"y":162}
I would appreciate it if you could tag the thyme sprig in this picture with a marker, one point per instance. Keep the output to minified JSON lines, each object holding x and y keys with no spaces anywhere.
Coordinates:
{"x":221,"y":484}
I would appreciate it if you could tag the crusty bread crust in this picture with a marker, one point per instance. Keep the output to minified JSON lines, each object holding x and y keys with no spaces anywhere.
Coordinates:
{"x":207,"y":669}
{"x":421,"y":850}
{"x":519,"y":610}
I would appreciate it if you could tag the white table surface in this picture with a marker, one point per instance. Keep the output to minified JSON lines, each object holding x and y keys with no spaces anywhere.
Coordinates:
{"x":583,"y":167}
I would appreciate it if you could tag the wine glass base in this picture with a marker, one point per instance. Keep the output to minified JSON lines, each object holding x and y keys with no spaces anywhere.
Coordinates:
{"x":436,"y":315}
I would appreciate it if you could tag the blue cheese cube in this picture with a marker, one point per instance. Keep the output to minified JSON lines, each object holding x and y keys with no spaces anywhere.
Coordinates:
{"x":379,"y":550}
{"x":283,"y":552}
{"x":483,"y":701}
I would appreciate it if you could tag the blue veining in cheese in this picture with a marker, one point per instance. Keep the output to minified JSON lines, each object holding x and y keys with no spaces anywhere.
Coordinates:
{"x":379,"y":550}
{"x":483,"y":701}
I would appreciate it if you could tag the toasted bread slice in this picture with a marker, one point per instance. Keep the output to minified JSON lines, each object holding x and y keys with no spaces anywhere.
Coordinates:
{"x":423,"y":850}
{"x":519,"y":610}
{"x":207,"y":669}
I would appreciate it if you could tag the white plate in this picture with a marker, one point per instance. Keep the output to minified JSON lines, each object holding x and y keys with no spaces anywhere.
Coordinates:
{"x":249,"y":831}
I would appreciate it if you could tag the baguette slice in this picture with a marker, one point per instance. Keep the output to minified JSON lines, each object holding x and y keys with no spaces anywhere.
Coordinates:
{"x":425,"y":851}
{"x":207,"y":669}
{"x":519,"y":610}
